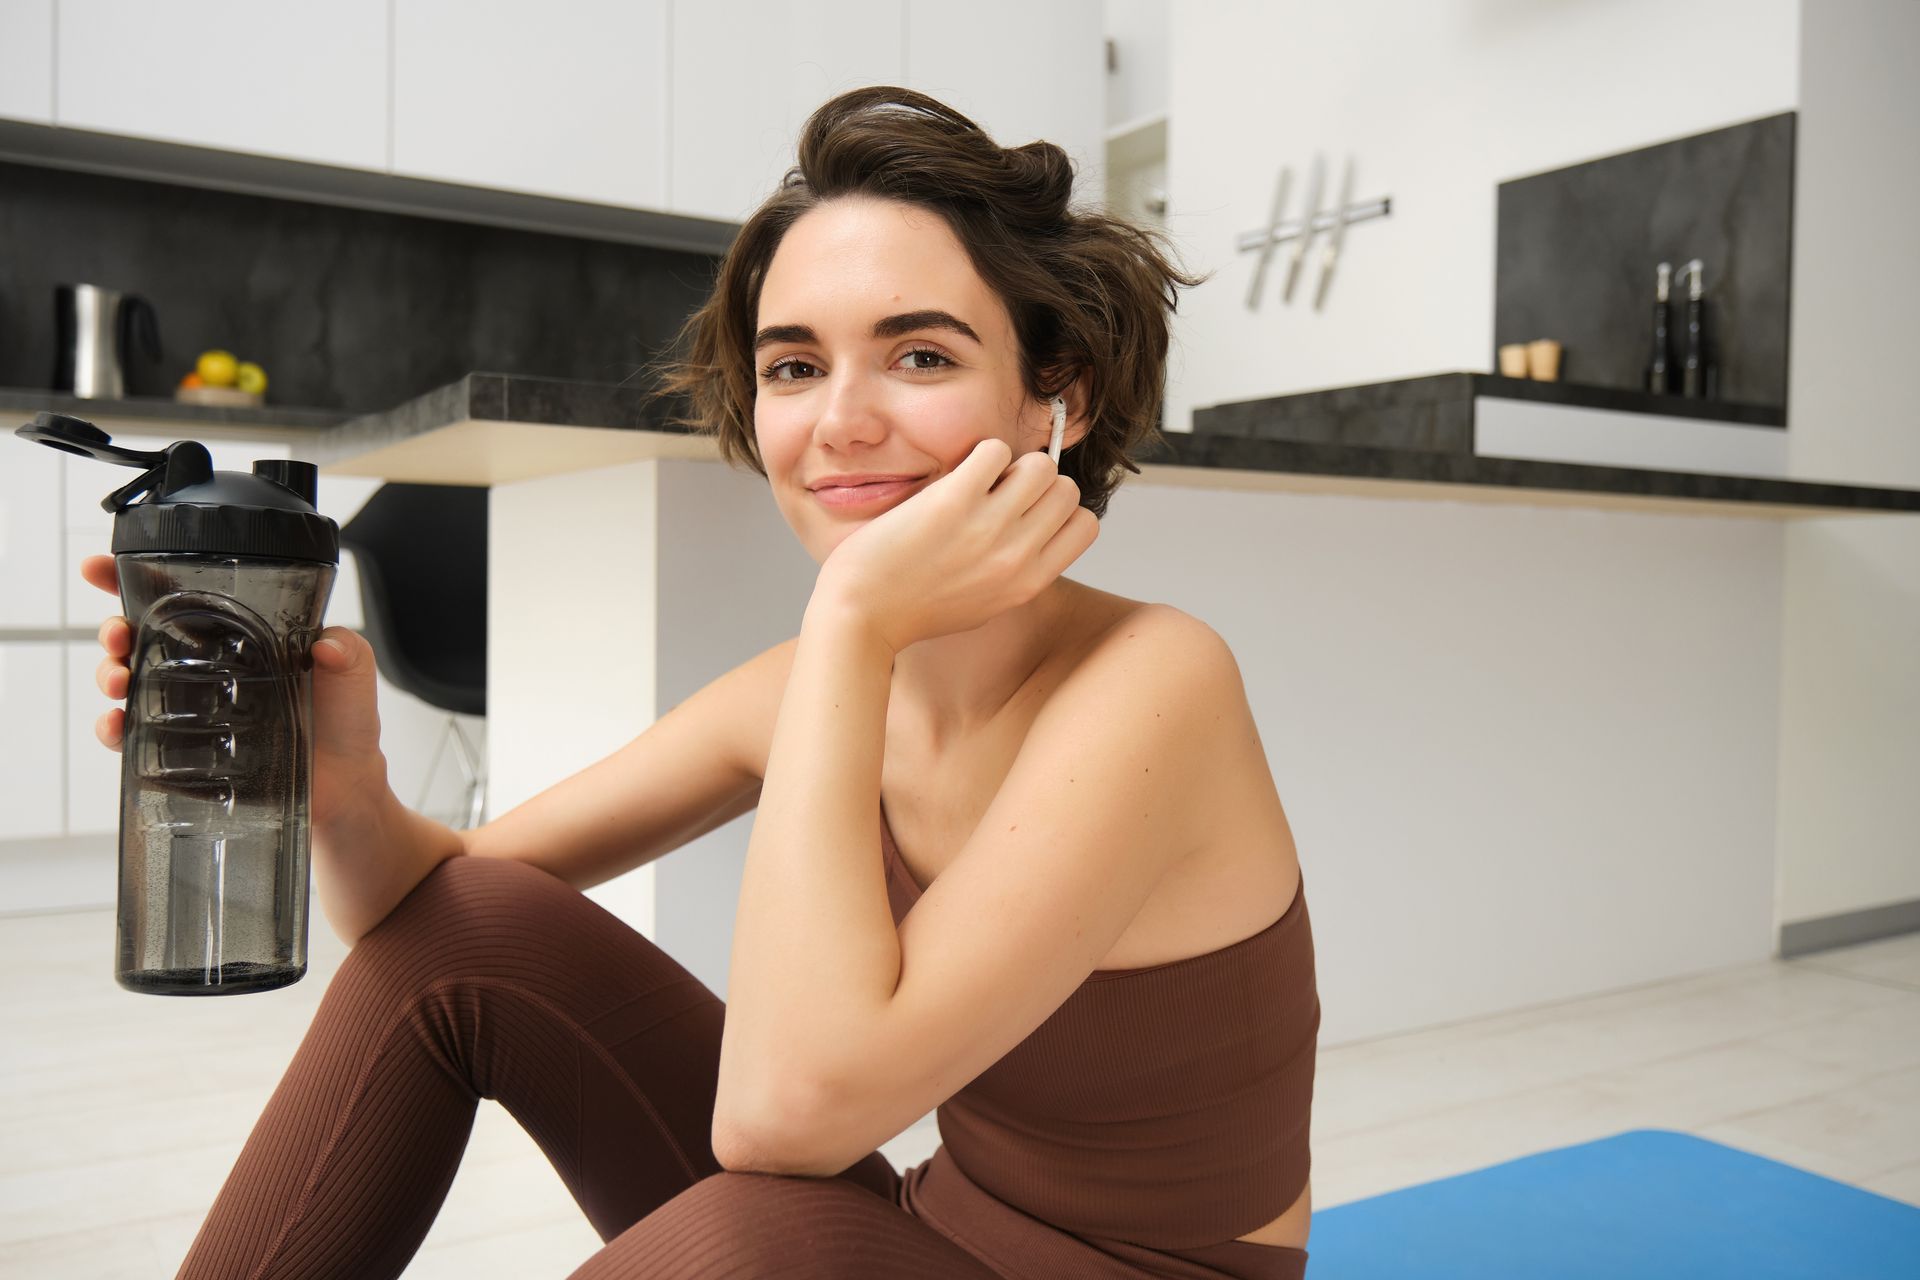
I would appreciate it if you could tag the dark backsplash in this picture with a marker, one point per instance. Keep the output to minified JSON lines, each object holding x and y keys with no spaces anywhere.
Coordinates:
{"x":1577,"y":249}
{"x":344,"y":308}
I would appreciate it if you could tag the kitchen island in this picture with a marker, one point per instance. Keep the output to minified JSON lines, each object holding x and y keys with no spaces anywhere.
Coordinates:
{"x":1525,"y":719}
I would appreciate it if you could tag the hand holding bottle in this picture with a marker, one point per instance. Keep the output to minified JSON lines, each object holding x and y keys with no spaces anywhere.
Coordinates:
{"x":346,"y":721}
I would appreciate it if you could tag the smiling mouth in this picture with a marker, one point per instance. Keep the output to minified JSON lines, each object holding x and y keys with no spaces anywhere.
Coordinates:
{"x":860,"y":495}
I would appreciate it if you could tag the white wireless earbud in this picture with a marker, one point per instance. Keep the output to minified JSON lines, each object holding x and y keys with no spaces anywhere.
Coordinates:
{"x":1059,"y":428}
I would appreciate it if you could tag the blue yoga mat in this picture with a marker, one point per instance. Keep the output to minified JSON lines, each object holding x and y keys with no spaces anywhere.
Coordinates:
{"x":1648,"y":1204}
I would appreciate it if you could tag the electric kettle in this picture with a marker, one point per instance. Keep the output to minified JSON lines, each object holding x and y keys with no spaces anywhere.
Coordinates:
{"x":94,"y":330}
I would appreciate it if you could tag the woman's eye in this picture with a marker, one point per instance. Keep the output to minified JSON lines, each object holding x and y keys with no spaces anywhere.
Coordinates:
{"x":925,"y":351}
{"x":773,"y":372}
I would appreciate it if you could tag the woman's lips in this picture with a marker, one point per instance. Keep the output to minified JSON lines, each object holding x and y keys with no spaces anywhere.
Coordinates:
{"x":861,"y":495}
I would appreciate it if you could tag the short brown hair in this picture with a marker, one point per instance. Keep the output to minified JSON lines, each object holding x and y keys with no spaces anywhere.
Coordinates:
{"x":1087,"y":292}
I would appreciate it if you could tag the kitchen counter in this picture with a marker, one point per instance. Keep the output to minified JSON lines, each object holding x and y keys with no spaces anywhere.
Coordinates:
{"x":1456,"y":436}
{"x":1431,"y":410}
{"x":1478,"y":437}
{"x":1419,"y":438}
{"x":146,"y":413}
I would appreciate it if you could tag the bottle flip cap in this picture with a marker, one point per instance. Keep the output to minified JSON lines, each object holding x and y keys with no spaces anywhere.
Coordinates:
{"x":180,"y":503}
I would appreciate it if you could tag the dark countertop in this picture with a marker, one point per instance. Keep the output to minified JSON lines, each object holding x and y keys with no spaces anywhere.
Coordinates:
{"x":497,"y":397}
{"x":1421,"y":431}
{"x":1509,"y":477}
{"x":24,"y":402}
{"x":1436,"y":411}
{"x":1405,"y":438}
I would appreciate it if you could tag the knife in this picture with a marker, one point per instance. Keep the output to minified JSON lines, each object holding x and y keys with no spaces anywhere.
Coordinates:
{"x":1306,"y":227}
{"x":1266,"y":248}
{"x":1331,"y":254}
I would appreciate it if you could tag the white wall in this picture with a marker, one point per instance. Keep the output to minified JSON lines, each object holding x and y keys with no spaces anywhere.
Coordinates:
{"x":733,"y":580}
{"x":26,"y":38}
{"x":1850,"y":722}
{"x":574,"y":705}
{"x":1525,"y":754}
{"x":1438,"y":102}
{"x":1137,"y":85}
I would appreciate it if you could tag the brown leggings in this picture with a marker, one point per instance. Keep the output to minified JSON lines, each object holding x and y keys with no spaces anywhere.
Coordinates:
{"x":494,"y":979}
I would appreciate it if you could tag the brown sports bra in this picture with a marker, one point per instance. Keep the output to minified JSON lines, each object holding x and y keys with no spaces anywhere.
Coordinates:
{"x":1166,"y":1106}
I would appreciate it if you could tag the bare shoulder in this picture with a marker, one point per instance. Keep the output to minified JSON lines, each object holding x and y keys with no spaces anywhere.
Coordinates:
{"x":1159,"y":644}
{"x":1239,"y":867}
{"x":1151,"y":672}
{"x":1159,"y":680}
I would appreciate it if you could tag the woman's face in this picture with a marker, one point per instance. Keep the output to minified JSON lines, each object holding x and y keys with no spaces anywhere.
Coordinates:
{"x":890,"y":356}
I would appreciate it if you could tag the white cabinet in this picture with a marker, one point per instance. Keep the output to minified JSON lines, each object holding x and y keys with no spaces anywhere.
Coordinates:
{"x":745,"y":77}
{"x":30,"y":488}
{"x":306,"y":81}
{"x":26,"y":75}
{"x":564,"y":98}
{"x":30,"y":764}
{"x":1020,"y":71}
{"x":92,"y":768}
{"x":683,"y":106}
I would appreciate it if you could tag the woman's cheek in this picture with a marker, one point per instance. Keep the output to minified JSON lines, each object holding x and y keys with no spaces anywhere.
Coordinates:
{"x":946,"y":421}
{"x":779,"y":435}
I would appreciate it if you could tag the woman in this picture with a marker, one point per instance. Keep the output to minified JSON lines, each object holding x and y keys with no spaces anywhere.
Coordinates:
{"x":1084,"y":939}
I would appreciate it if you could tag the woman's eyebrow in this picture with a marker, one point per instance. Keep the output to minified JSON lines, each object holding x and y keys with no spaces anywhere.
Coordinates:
{"x":889,"y":327}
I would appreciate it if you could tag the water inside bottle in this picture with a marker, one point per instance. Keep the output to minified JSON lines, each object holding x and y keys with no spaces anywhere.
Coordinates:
{"x":210,"y":790}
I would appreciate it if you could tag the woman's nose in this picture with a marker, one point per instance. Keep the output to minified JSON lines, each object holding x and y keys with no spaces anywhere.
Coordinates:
{"x":853,"y":411}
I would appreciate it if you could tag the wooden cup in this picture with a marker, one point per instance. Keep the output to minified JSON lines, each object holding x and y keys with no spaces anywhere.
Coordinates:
{"x":1543,"y":360}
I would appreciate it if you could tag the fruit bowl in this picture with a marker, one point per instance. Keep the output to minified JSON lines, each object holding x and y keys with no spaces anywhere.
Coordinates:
{"x":228,"y":397}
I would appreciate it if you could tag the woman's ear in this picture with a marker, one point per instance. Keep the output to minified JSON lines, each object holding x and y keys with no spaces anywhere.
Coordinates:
{"x":1076,"y":396}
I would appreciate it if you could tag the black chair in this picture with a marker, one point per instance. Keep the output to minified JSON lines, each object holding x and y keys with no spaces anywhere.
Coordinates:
{"x":421,"y":550}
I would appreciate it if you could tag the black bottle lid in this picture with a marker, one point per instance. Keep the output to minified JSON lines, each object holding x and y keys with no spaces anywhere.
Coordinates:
{"x":179,"y":503}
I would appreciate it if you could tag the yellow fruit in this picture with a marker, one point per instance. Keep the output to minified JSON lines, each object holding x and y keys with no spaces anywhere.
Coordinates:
{"x":251,"y":378}
{"x":217,"y":368}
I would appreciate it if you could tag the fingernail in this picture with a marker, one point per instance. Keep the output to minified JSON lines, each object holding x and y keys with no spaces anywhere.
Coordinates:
{"x":338,"y":649}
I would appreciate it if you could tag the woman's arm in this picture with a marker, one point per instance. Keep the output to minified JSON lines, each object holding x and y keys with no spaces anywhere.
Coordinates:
{"x":814,"y":933}
{"x":692,"y":770}
{"x":1113,"y":785}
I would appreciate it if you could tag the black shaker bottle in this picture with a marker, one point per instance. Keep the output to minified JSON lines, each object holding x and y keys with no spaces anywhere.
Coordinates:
{"x":224,"y":577}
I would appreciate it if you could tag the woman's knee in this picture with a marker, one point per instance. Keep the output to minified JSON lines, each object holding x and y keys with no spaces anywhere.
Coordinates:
{"x":466,"y":909}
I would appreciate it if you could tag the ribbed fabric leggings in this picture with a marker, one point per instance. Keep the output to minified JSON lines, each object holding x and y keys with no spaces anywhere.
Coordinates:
{"x":494,"y":979}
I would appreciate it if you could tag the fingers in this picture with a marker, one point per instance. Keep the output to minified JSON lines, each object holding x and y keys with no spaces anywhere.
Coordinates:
{"x":109,"y":726}
{"x":989,"y":458}
{"x":102,"y":572}
{"x":1068,"y":543}
{"x":116,"y":637}
{"x":340,"y":649}
{"x":1024,"y":481}
{"x":1052,"y":511}
{"x":1038,"y":491}
{"x":111,"y":677}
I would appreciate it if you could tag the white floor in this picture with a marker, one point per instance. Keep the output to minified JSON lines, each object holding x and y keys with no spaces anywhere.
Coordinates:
{"x":121,"y":1115}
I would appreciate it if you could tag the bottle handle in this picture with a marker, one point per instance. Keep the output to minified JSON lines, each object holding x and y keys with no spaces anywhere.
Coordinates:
{"x":167,"y":470}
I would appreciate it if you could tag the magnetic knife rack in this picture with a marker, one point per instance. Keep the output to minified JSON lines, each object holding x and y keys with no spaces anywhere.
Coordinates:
{"x":1278,"y":231}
